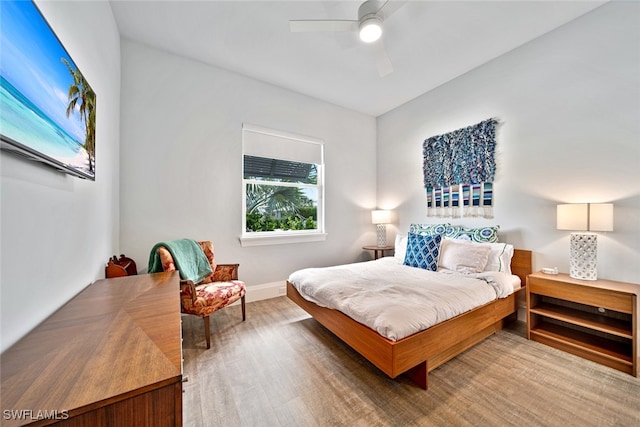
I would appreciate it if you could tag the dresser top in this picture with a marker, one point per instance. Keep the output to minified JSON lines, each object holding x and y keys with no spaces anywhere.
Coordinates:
{"x":116,"y":337}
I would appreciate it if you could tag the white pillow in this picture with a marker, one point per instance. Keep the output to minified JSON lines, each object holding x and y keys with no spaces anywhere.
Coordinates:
{"x":499,"y":257}
{"x":401,"y":246}
{"x":463,"y":256}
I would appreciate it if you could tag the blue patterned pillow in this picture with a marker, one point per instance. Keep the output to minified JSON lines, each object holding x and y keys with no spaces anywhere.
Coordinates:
{"x":480,"y":235}
{"x":428,"y":229}
{"x":423,"y":251}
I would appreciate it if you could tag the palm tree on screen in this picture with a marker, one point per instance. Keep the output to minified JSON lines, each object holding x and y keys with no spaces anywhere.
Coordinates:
{"x":82,"y":98}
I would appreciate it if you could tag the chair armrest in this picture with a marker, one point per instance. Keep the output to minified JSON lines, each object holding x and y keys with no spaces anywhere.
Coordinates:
{"x":187,"y":292}
{"x":225,"y":272}
{"x":166,"y":259}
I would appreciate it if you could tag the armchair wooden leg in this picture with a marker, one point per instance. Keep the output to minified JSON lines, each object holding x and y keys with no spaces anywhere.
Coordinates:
{"x":207,"y":331}
{"x":243,"y":310}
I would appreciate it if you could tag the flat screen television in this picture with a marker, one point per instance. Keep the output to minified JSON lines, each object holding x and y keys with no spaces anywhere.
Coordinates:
{"x":47,"y":108}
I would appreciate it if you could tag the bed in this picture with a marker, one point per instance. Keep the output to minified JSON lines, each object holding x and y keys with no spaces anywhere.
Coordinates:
{"x":417,"y":354}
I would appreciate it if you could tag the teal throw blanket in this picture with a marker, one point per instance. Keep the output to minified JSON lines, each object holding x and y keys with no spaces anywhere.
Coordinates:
{"x":188,"y":257}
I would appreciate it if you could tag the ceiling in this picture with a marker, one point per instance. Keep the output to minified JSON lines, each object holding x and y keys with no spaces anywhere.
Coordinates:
{"x":428,"y":42}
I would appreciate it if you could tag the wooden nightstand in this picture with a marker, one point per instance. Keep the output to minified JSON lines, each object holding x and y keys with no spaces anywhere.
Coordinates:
{"x":378,"y":251}
{"x":597,"y":320}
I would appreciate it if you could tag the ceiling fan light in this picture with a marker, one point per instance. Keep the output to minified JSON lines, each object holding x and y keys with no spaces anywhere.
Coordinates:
{"x":370,"y":30}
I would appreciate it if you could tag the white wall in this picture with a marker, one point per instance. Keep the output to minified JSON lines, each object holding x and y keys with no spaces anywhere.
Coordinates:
{"x":569,"y":107}
{"x":182,"y":157}
{"x":57,"y":230}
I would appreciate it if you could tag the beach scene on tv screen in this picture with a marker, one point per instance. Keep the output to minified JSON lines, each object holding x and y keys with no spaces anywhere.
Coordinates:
{"x":45,"y":102}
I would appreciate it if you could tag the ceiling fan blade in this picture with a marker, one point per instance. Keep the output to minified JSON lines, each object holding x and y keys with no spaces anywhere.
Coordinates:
{"x":382,"y":59}
{"x":390,"y":7}
{"x":322,"y":25}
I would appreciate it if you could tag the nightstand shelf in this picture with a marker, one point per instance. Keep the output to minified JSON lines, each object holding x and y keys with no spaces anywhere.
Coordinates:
{"x":597,"y":320}
{"x":592,"y":347}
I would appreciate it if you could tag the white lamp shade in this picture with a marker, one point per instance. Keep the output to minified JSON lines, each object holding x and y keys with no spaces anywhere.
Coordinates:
{"x":381,"y":217}
{"x":583,"y":261}
{"x":574,"y":216}
{"x":601,"y":216}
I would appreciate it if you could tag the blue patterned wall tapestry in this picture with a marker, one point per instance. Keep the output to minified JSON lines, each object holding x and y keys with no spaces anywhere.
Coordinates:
{"x":459,"y":169}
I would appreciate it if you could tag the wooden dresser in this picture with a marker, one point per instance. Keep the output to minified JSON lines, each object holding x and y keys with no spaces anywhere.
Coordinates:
{"x":110,"y":356}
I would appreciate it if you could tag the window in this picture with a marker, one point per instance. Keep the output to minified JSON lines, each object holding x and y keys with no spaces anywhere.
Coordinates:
{"x":282,"y":187}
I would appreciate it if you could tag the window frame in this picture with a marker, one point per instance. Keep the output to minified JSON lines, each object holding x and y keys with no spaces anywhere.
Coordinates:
{"x":282,"y":138}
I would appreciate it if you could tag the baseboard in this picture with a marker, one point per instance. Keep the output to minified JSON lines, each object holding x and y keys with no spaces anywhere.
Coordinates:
{"x":266,"y":291}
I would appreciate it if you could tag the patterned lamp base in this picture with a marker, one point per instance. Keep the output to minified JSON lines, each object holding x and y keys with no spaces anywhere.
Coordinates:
{"x":382,"y":235}
{"x":583,"y":262}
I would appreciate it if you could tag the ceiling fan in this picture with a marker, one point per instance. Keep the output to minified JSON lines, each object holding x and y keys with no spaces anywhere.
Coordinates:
{"x":371,"y":16}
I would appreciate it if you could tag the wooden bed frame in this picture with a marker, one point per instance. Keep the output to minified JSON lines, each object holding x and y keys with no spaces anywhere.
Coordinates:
{"x":424,"y":351}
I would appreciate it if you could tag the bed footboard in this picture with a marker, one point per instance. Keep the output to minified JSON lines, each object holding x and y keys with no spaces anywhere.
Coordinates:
{"x":371,"y":345}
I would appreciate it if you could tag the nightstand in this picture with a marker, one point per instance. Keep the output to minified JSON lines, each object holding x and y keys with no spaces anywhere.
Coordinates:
{"x":597,"y":320}
{"x":378,"y":251}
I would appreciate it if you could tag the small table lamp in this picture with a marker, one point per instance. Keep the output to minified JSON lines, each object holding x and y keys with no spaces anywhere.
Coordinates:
{"x":583,"y":260}
{"x":381,"y":218}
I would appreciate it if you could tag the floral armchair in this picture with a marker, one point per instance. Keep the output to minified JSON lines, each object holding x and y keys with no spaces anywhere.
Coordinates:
{"x":218,"y":290}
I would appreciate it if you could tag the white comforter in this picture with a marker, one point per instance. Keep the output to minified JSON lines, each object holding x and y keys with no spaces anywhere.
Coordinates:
{"x":396,"y":300}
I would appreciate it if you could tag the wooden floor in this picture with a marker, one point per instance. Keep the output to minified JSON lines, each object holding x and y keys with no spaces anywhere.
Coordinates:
{"x":281,"y":368}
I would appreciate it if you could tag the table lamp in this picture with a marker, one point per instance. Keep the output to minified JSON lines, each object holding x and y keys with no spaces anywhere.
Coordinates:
{"x":381,"y":218}
{"x":583,"y":259}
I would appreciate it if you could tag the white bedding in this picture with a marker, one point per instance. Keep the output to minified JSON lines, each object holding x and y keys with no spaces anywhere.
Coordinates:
{"x":396,"y":300}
